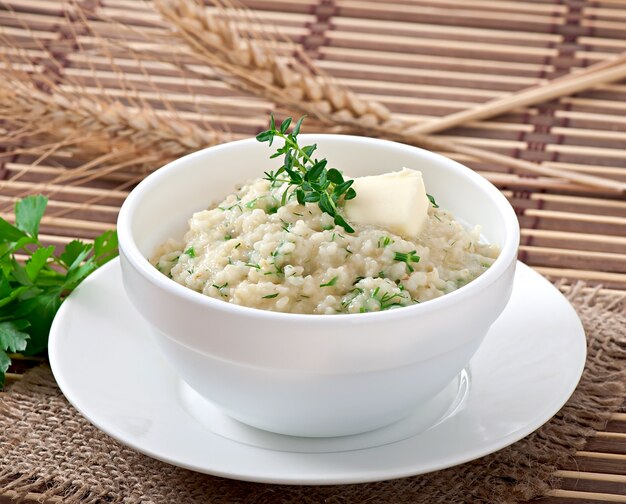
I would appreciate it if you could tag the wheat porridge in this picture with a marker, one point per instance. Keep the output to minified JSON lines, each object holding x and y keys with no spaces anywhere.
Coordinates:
{"x":251,"y":251}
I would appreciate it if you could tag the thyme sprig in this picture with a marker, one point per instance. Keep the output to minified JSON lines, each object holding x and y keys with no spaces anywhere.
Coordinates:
{"x":306,"y":177}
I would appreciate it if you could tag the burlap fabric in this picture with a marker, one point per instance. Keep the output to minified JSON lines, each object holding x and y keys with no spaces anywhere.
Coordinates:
{"x":46,"y":447}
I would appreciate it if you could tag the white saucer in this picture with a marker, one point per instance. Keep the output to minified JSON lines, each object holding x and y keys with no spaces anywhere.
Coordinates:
{"x":107,"y":366}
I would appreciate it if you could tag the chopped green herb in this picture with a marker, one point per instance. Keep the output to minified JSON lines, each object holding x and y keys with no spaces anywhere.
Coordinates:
{"x":357,"y":280}
{"x":236,"y":205}
{"x":251,"y":203}
{"x":432,"y":201}
{"x":348,"y":299}
{"x":307,"y":177}
{"x":270,"y":296}
{"x":191,"y":252}
{"x":276,"y":251}
{"x":227,"y":237}
{"x":330,"y":283}
{"x":272,"y":210}
{"x":237,"y":246}
{"x":436,"y":217}
{"x":383,"y":241}
{"x":255,"y":266}
{"x":389,"y":300}
{"x":220,"y":287}
{"x":407,"y":258}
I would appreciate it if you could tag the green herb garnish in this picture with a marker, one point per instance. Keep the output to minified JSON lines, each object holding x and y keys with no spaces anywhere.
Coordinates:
{"x":191,"y":252}
{"x":330,"y":283}
{"x":383,"y":241}
{"x":432,"y":201}
{"x":347,"y":299}
{"x":220,"y":287}
{"x":270,"y":296}
{"x":31,"y":292}
{"x":305,"y":176}
{"x":388,"y":300}
{"x":407,"y":258}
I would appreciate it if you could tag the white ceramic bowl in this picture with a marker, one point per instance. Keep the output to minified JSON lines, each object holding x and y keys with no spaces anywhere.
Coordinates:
{"x":312,"y":375}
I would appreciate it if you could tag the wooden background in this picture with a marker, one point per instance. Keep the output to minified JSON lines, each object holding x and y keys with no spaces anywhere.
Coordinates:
{"x":421,"y":58}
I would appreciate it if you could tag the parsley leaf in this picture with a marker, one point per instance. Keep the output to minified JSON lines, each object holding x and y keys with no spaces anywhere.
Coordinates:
{"x":9,"y":233}
{"x":32,"y":291}
{"x":28,"y":214}
{"x":13,"y":339}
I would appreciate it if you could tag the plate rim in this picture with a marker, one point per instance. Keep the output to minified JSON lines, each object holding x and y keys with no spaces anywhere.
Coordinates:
{"x":341,"y":477}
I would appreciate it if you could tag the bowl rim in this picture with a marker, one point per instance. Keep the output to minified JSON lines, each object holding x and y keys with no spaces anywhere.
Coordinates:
{"x":130,"y":251}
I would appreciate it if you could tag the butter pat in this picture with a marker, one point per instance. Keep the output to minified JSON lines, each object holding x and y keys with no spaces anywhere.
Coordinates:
{"x":396,"y":201}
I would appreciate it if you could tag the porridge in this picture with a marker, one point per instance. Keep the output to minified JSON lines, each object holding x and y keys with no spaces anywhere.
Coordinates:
{"x":283,"y":243}
{"x":250,"y":250}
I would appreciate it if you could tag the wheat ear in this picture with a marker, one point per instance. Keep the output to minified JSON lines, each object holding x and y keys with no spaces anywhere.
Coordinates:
{"x":67,"y":114}
{"x":255,"y":65}
{"x":292,"y":81}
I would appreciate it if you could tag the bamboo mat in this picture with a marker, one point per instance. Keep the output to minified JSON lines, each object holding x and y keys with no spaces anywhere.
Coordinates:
{"x":420,"y":58}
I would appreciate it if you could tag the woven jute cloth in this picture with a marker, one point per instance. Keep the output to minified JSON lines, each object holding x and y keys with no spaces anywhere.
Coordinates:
{"x":47,"y":448}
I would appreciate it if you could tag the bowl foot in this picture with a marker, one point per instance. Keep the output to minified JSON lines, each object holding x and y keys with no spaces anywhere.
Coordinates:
{"x":443,"y":406}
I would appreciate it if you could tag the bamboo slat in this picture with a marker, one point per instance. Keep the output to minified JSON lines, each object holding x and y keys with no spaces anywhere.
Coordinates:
{"x":423,"y":59}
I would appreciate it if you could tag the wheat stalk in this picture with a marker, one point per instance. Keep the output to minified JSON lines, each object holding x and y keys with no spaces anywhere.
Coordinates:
{"x":291,"y":81}
{"x":111,"y":125}
{"x":42,"y":105}
{"x":45,"y":113}
{"x":256,"y":65}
